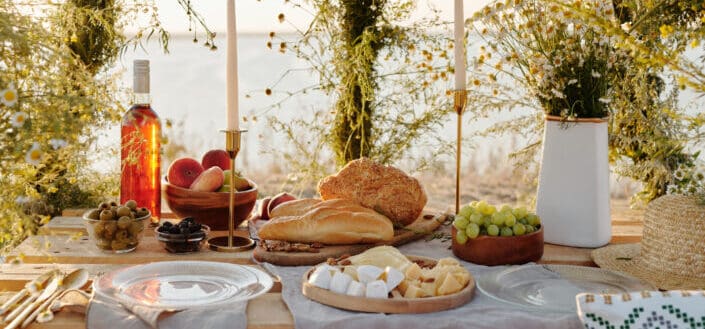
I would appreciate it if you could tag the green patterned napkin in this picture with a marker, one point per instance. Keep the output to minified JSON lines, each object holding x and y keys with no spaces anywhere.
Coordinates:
{"x":647,"y":309}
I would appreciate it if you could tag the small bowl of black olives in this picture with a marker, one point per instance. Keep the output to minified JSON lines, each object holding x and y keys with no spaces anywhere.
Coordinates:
{"x":185,"y":236}
{"x":116,"y":228}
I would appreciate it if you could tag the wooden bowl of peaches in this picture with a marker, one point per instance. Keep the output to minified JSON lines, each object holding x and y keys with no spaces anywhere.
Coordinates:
{"x":483,"y":234}
{"x":202,"y":190}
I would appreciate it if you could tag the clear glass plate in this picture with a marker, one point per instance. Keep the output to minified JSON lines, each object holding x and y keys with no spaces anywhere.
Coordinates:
{"x":553,"y":287}
{"x":182,"y":285}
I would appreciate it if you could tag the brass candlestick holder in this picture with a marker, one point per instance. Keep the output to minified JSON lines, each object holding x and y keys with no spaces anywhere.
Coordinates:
{"x":460,"y":101}
{"x":231,"y":243}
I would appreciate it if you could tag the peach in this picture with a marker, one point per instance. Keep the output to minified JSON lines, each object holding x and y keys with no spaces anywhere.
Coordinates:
{"x":263,"y":211}
{"x":279,"y":199}
{"x":183,"y":171}
{"x":218,"y":158}
{"x":208,"y":181}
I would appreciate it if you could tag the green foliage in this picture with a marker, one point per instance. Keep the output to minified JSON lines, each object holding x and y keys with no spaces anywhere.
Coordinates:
{"x":387,"y":75}
{"x":360,"y":35}
{"x":57,"y":97}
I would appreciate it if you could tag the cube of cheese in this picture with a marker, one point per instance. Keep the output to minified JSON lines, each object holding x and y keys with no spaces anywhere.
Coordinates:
{"x":356,"y":289}
{"x":404,"y":285}
{"x":340,"y":282}
{"x":447,"y":262}
{"x":413,"y":292}
{"x":351,"y":271}
{"x":428,"y":288}
{"x":376,"y":289}
{"x":413,"y":272}
{"x":392,"y":277}
{"x":320,"y":278}
{"x":368,"y":273}
{"x":462,"y":277}
{"x":440,"y":274}
{"x":450,"y":286}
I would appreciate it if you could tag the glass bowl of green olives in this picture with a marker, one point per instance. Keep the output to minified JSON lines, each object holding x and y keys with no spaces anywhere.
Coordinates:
{"x":116,"y":228}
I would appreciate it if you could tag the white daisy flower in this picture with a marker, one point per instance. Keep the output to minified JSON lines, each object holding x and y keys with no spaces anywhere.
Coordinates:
{"x":34,"y":155}
{"x":671,"y":189}
{"x":557,"y":93}
{"x":18,"y":119}
{"x":626,"y":27}
{"x":595,"y":74}
{"x":572,"y":81}
{"x":57,"y":143}
{"x":22,"y":199}
{"x":8,"y":96}
{"x":679,"y":174}
{"x":604,"y":100}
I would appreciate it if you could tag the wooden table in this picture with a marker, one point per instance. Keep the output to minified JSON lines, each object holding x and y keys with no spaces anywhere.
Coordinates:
{"x":62,"y":244}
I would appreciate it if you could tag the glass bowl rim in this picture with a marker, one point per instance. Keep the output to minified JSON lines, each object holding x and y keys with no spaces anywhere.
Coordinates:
{"x":91,"y":220}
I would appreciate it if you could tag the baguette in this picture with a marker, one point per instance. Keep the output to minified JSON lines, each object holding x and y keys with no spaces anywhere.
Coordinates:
{"x":332,"y":222}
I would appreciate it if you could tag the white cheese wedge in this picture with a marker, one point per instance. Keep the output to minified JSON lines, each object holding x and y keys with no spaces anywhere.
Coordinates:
{"x":356,"y":289}
{"x":382,"y":256}
{"x":339,"y":283}
{"x":320,"y":277}
{"x":393,"y":277}
{"x":376,"y":289}
{"x":368,"y":273}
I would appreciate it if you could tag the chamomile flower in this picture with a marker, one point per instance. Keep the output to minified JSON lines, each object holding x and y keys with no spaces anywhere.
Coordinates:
{"x":679,"y":174}
{"x":626,"y":27}
{"x":672,"y":189}
{"x":18,"y":119}
{"x":557,"y":93}
{"x":34,"y":155}
{"x":57,"y":143}
{"x":8,"y":96}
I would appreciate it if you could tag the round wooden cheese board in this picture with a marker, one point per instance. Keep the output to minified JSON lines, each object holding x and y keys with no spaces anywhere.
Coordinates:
{"x":389,"y":305}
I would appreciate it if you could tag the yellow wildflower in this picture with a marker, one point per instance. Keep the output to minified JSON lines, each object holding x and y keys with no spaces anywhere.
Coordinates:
{"x":666,"y":30}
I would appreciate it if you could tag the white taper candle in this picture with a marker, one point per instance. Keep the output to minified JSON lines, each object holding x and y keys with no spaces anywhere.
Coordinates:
{"x":231,"y":69}
{"x":459,"y":46}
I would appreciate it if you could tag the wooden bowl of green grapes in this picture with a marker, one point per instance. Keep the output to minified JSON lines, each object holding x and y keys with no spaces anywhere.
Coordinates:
{"x":489,"y":235}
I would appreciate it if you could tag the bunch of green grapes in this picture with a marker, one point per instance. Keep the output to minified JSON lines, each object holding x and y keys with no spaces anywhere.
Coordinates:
{"x":481,"y":218}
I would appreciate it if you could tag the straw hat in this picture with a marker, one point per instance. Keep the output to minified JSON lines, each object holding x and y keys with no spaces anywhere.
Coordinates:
{"x":671,"y":255}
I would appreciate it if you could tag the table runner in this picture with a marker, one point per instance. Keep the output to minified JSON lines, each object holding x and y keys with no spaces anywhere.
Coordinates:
{"x":481,"y":312}
{"x":105,"y":314}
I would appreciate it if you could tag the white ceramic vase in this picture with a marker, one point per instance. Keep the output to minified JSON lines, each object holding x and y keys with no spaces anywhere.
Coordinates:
{"x":573,"y":198}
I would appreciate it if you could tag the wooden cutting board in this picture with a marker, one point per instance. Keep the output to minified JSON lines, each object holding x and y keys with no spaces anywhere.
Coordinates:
{"x":429,"y":221}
